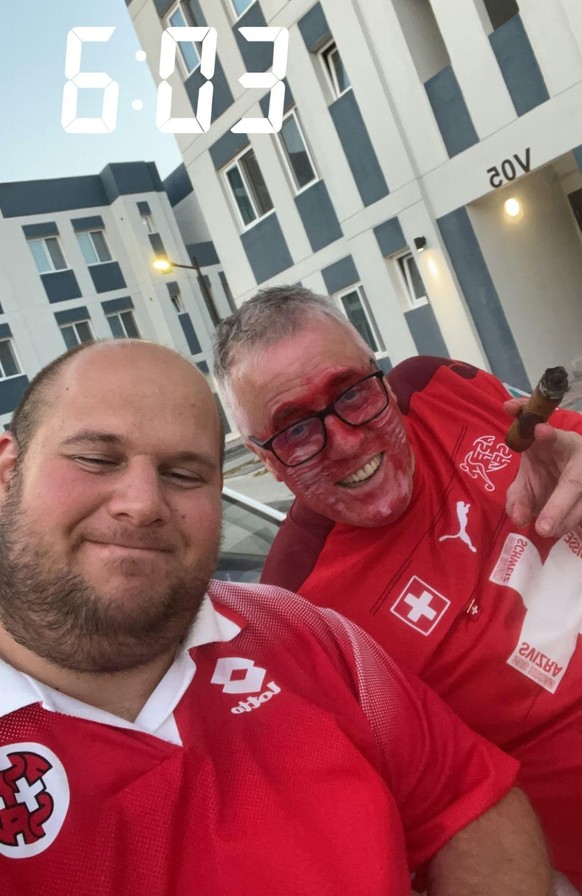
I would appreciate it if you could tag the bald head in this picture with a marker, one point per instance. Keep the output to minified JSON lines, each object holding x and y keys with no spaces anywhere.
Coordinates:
{"x":121,"y":372}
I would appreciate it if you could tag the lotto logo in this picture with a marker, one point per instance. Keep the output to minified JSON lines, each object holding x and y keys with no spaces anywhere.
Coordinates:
{"x":420,"y":606}
{"x":238,"y":675}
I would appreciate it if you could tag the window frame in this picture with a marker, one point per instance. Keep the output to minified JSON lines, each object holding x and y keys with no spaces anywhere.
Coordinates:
{"x":250,"y":190}
{"x":238,"y":15}
{"x":413,"y":301}
{"x":330,"y":71}
{"x":72,"y":325}
{"x":293,"y":113}
{"x":373,"y":327}
{"x":89,"y":234}
{"x":43,"y":240}
{"x":189,"y":22}
{"x":3,"y":376}
{"x":119,"y":316}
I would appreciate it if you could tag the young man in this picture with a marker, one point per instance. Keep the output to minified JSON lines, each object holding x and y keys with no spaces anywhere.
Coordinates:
{"x":401,"y":524}
{"x":157,"y":740}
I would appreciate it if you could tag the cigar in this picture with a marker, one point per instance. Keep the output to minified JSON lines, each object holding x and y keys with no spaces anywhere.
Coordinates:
{"x":544,"y":399}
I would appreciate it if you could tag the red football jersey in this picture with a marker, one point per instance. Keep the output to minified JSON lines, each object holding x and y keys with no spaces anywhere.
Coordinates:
{"x":298,"y":759}
{"x":487,"y":614}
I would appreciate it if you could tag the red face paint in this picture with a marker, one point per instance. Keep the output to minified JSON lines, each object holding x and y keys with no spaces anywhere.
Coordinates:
{"x":363,"y":477}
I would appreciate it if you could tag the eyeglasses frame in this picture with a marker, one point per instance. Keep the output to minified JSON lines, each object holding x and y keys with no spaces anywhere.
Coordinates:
{"x":328,"y":410}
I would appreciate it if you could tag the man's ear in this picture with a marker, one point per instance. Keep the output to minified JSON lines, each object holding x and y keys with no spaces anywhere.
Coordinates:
{"x":8,"y":458}
{"x":265,"y":457}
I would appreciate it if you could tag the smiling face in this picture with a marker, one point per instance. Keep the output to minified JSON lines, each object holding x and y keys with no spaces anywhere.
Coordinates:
{"x":109,"y":524}
{"x":363,"y":476}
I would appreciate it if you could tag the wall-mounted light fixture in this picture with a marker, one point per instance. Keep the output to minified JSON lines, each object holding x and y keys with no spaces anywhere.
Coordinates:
{"x":512,"y":207}
{"x":420,"y":243}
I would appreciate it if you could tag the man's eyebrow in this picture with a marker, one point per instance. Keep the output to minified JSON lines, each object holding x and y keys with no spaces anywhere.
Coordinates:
{"x":109,"y":438}
{"x":90,"y":435}
{"x":287,"y":411}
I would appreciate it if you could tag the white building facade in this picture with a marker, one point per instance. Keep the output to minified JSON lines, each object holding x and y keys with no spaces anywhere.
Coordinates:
{"x":408,"y":125}
{"x":76,"y":265}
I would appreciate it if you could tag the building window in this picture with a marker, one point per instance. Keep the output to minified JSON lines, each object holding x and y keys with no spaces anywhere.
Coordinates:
{"x":77,"y":333}
{"x":241,"y":6}
{"x":148,"y":222}
{"x":123,"y":325}
{"x":94,"y":246}
{"x":248,"y":188}
{"x":177,"y":17}
{"x":176,"y":300}
{"x":410,"y":275}
{"x":48,"y":255}
{"x":354,"y":305}
{"x":334,"y":69}
{"x":296,"y":152}
{"x":9,"y":365}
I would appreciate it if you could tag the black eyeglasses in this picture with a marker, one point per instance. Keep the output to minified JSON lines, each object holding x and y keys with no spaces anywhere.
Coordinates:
{"x":359,"y":404}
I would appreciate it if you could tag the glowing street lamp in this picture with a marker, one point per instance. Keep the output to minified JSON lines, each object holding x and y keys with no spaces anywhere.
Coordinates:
{"x":164,"y":265}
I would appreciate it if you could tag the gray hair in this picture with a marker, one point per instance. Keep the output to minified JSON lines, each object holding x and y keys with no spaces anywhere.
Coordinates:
{"x":271,"y":315}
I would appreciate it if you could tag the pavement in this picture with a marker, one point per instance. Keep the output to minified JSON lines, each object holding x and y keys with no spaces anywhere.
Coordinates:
{"x":245,"y":473}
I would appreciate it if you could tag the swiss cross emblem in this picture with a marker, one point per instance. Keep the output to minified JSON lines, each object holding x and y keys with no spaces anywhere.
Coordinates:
{"x":34,"y":798}
{"x":486,"y":456}
{"x":420,"y":606}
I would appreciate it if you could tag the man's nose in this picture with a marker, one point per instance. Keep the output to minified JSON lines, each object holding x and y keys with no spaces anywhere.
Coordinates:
{"x":342,"y":439}
{"x":138,"y":495}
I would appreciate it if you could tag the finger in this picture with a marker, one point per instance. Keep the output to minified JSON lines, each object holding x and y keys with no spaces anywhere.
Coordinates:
{"x":563,"y":509}
{"x":513,"y":406}
{"x":520,"y":504}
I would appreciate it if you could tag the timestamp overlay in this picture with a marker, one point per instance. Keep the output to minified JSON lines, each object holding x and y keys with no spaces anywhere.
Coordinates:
{"x":200,"y":122}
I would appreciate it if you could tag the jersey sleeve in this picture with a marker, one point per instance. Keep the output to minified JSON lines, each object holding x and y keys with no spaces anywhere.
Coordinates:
{"x":442,"y":775}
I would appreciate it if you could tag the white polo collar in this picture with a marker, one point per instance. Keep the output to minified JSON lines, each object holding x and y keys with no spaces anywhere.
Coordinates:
{"x":18,"y":690}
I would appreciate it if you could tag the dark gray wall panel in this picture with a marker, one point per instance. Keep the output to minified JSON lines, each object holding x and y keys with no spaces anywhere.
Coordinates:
{"x":519,"y":66}
{"x":37,"y":231}
{"x":482,"y":298}
{"x":358,"y":148}
{"x":578,"y":156}
{"x":156,"y":244}
{"x":340,"y":275}
{"x":144,"y":207}
{"x":204,"y":253}
{"x":266,"y":248}
{"x":5,"y":331}
{"x":226,"y":147}
{"x":95,"y":222}
{"x":178,"y":185}
{"x":314,"y":28}
{"x":257,"y":55}
{"x":318,"y":216}
{"x":72,"y":315}
{"x":390,"y":237}
{"x":197,"y":14}
{"x":61,"y":194}
{"x":11,"y":391}
{"x":107,"y":277}
{"x":112,"y":306}
{"x":189,"y":333}
{"x":162,"y":6}
{"x":426,"y":332}
{"x":288,"y":100}
{"x":450,"y":111}
{"x":221,"y":98}
{"x":125,"y":178}
{"x":60,"y":286}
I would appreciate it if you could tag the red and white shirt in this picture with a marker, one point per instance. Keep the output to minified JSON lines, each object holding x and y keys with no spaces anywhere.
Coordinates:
{"x":282,"y":753}
{"x":487,"y":614}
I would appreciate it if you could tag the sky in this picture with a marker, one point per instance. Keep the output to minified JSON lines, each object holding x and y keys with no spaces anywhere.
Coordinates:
{"x":33,"y":44}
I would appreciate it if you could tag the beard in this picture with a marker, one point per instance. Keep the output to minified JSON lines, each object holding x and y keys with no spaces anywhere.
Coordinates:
{"x":58,"y":615}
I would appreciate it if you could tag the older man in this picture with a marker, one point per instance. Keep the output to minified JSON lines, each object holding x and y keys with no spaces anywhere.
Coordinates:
{"x":401,"y":525}
{"x":155,"y":740}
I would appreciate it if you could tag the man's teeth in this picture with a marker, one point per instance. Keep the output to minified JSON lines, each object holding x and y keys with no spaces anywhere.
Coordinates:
{"x":364,"y":473}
